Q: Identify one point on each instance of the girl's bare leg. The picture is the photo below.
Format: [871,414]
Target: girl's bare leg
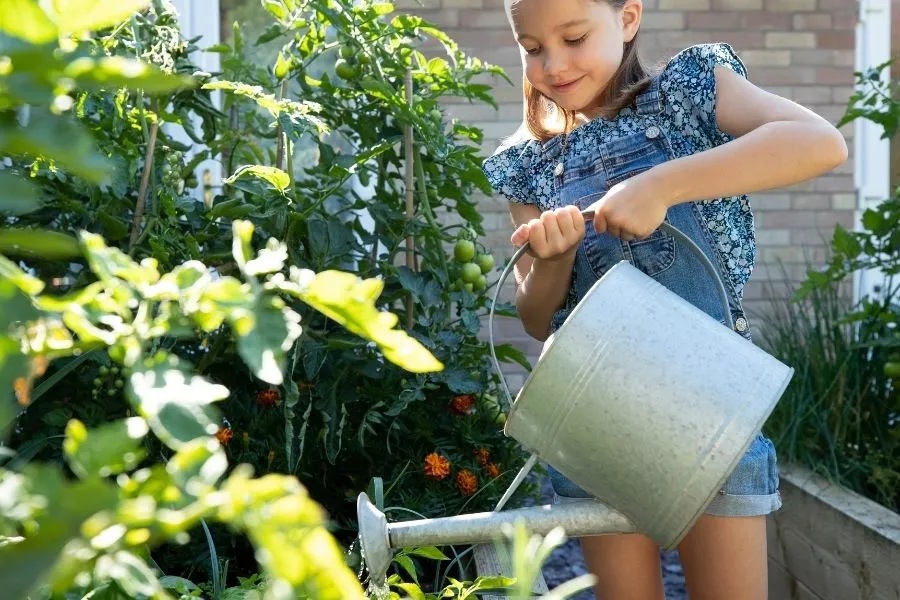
[725,557]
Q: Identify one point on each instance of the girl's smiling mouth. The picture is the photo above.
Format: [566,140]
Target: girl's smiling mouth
[567,86]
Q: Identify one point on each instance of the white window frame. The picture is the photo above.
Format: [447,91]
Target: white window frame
[872,155]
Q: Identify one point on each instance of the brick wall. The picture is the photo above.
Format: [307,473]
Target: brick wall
[800,49]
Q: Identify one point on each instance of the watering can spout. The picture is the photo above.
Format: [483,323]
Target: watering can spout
[379,538]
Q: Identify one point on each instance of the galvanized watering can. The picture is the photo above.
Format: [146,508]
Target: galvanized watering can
[640,398]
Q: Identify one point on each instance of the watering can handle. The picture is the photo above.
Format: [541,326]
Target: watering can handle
[589,215]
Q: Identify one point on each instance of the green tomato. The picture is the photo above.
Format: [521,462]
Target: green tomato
[892,370]
[464,251]
[98,382]
[480,283]
[364,59]
[469,287]
[485,262]
[470,273]
[346,52]
[103,370]
[345,70]
[436,114]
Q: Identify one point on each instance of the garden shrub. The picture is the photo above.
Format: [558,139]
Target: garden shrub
[841,414]
[101,157]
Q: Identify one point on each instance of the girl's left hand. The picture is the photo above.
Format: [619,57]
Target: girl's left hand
[631,209]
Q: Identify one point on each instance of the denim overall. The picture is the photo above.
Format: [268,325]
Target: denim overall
[752,489]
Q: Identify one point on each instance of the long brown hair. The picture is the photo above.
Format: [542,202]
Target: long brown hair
[544,118]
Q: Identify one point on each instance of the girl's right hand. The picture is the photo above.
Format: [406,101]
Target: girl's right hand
[555,235]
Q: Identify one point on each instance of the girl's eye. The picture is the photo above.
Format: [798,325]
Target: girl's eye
[576,42]
[532,51]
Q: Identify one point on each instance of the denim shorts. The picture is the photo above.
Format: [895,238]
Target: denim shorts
[751,490]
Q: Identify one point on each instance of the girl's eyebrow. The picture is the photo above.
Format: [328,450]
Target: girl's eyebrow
[572,23]
[566,25]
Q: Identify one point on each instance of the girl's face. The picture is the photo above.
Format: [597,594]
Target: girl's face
[572,48]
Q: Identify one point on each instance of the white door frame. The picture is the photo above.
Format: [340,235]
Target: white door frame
[872,156]
[201,18]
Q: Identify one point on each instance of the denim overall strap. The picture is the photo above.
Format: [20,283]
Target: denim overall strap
[688,278]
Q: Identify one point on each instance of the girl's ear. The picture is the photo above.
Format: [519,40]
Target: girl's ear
[631,14]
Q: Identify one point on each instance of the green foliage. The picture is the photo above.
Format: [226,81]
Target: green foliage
[157,264]
[129,307]
[841,414]
[521,553]
[838,416]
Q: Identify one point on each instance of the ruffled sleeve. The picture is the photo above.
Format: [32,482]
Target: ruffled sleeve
[508,171]
[689,83]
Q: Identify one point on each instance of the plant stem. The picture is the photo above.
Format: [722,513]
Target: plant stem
[145,179]
[279,133]
[410,196]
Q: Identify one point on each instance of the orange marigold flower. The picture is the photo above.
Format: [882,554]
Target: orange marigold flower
[492,470]
[268,398]
[463,405]
[224,435]
[482,456]
[466,482]
[437,466]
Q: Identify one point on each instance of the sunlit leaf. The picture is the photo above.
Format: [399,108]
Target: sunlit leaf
[134,576]
[270,259]
[38,243]
[294,545]
[73,16]
[108,262]
[25,20]
[106,450]
[304,112]
[198,466]
[121,72]
[27,564]
[264,337]
[176,405]
[9,271]
[272,175]
[350,301]
[59,139]
[17,195]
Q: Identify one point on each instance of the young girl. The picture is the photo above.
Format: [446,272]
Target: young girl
[684,145]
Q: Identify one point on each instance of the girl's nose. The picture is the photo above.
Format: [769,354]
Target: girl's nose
[554,63]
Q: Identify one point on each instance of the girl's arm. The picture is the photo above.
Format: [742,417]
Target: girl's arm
[542,284]
[778,143]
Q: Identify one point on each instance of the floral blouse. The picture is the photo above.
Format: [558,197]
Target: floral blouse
[522,173]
